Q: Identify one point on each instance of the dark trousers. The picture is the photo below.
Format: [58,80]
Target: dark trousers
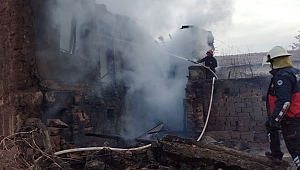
[290,129]
[209,74]
[274,140]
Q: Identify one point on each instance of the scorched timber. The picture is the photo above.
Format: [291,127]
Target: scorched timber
[173,152]
[193,154]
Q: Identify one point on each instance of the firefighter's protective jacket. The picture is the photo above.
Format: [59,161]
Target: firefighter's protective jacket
[210,62]
[284,87]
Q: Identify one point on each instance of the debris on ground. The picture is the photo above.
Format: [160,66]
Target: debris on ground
[169,153]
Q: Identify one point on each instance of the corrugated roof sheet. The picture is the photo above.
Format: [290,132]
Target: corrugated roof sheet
[250,58]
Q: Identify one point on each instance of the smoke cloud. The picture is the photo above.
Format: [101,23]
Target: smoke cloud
[156,80]
[157,84]
[164,17]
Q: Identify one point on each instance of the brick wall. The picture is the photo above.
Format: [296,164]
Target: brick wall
[83,109]
[25,94]
[237,112]
[19,97]
[73,84]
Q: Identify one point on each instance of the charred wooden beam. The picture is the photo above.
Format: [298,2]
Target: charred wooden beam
[108,136]
[199,153]
[117,137]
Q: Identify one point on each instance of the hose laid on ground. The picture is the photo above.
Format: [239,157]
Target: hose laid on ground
[100,148]
[209,108]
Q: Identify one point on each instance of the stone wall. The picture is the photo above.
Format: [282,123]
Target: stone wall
[83,110]
[73,83]
[18,95]
[237,111]
[26,92]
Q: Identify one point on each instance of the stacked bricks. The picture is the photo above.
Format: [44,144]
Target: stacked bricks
[237,113]
[19,97]
[84,110]
[194,106]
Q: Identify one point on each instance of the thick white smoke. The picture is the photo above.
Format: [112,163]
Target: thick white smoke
[156,80]
[163,17]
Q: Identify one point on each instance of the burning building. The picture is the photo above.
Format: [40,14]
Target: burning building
[75,67]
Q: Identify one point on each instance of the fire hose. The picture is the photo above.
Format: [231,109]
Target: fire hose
[212,90]
[147,146]
[100,148]
[142,147]
[190,61]
[209,108]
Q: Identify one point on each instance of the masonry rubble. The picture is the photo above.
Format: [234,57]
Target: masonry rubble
[170,152]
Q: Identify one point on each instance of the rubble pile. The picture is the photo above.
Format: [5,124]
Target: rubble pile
[170,152]
[173,152]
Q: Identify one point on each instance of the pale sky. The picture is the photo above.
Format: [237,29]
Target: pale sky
[258,25]
[238,26]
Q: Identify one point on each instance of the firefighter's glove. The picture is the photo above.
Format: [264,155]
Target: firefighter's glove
[274,123]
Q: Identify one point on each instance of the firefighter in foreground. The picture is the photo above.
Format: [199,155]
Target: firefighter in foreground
[283,105]
[210,62]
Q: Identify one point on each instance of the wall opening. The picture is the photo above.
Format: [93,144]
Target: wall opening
[110,115]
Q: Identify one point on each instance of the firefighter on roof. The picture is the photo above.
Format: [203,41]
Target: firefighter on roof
[210,62]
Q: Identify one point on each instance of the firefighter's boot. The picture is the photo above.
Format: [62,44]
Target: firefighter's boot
[277,157]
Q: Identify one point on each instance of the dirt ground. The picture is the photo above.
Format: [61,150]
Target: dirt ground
[287,157]
[173,152]
[258,149]
[169,153]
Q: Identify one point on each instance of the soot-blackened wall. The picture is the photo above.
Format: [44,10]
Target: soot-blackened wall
[31,88]
[19,96]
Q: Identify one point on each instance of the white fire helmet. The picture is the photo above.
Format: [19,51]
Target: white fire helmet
[275,52]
